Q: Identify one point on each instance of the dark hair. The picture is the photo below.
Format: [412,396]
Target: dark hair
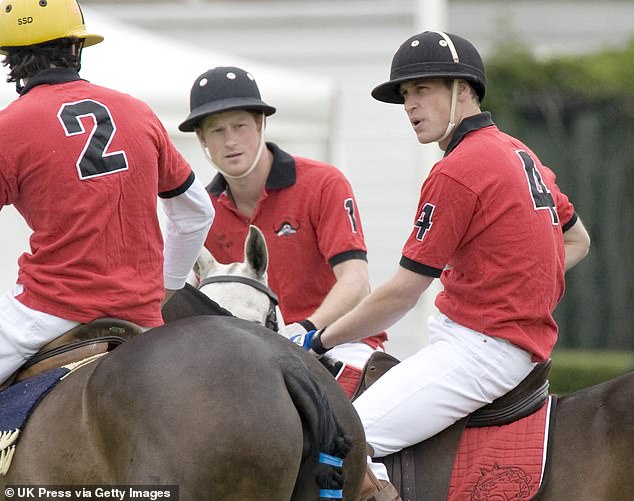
[474,90]
[25,62]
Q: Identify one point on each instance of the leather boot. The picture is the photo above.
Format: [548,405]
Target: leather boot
[374,489]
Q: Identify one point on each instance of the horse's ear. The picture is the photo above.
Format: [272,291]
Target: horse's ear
[204,263]
[255,251]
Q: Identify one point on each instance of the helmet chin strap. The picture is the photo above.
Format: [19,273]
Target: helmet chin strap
[253,164]
[452,115]
[454,87]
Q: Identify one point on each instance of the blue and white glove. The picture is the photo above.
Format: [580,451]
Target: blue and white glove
[311,341]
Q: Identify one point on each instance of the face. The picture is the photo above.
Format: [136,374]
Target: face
[428,107]
[232,139]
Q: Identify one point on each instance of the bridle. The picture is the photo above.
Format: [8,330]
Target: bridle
[271,315]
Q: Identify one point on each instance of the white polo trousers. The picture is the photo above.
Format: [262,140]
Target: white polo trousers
[459,371]
[23,331]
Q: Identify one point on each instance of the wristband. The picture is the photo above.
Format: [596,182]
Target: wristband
[315,343]
[308,325]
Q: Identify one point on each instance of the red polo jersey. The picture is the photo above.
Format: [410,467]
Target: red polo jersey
[490,224]
[309,217]
[83,165]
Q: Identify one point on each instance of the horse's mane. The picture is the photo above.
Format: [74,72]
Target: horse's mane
[189,302]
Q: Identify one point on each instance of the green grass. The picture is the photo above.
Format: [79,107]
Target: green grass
[573,370]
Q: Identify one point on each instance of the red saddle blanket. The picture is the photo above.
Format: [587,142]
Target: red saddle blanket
[348,378]
[501,462]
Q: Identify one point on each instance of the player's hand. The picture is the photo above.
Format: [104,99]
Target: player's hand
[304,339]
[311,341]
[295,329]
[301,327]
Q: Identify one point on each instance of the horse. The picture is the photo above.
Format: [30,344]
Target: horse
[218,407]
[590,432]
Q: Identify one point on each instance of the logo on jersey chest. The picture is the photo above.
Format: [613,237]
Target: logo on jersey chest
[287,227]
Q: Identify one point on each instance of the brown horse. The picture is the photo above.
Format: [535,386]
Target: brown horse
[591,436]
[221,407]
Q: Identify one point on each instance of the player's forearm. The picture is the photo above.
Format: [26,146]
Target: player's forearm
[375,313]
[379,310]
[347,293]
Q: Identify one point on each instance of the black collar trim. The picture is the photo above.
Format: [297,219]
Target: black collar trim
[52,76]
[283,173]
[469,124]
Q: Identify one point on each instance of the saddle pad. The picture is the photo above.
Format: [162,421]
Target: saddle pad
[349,378]
[501,462]
[16,404]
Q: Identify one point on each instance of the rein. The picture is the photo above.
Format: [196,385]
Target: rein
[271,315]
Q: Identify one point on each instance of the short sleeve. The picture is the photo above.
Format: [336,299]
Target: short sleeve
[565,208]
[174,171]
[444,212]
[8,183]
[338,228]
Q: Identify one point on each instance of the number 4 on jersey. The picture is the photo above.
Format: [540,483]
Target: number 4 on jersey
[542,198]
[424,221]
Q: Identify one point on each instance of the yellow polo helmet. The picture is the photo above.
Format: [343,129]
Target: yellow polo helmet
[31,22]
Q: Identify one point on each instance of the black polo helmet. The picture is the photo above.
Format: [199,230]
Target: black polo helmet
[432,54]
[224,88]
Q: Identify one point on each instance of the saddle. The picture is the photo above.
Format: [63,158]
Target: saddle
[412,463]
[83,341]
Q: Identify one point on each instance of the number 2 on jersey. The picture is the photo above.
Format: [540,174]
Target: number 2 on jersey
[94,160]
[542,198]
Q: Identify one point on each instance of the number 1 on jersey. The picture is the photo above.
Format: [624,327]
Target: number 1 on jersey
[348,204]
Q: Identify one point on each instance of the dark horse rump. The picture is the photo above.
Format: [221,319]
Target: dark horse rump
[218,406]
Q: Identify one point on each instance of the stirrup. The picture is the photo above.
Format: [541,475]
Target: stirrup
[374,489]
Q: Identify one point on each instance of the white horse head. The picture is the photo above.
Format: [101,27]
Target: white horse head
[241,287]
